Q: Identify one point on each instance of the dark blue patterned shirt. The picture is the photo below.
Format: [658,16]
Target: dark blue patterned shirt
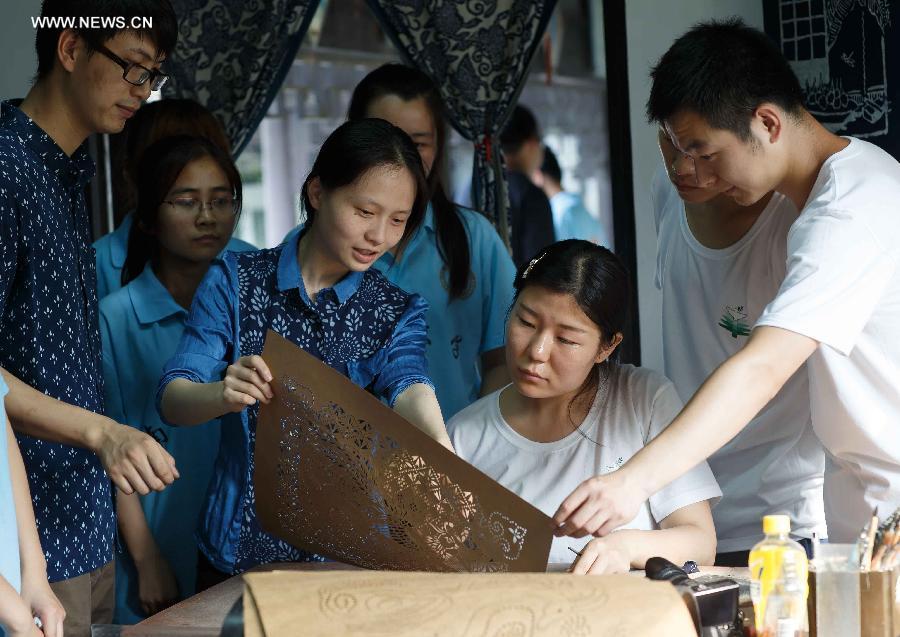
[364,327]
[49,333]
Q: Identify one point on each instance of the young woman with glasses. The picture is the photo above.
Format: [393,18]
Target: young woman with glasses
[188,201]
[163,118]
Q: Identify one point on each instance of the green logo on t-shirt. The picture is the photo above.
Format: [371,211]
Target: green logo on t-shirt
[733,321]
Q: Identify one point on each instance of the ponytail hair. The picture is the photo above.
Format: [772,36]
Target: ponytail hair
[408,84]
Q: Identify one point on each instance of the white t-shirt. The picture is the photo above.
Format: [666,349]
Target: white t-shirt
[636,406]
[711,299]
[843,289]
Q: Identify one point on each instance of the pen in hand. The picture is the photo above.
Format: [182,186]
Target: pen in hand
[577,555]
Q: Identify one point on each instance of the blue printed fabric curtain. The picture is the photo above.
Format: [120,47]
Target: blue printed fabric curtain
[233,55]
[478,53]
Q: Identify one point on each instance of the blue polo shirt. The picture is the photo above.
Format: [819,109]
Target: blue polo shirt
[112,248]
[10,569]
[459,332]
[571,220]
[141,325]
[49,333]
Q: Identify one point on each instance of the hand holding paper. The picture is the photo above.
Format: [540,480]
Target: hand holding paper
[246,381]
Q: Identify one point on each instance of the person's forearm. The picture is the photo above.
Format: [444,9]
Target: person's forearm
[36,596]
[131,458]
[156,585]
[31,555]
[677,544]
[185,402]
[723,405]
[133,526]
[14,614]
[35,414]
[419,405]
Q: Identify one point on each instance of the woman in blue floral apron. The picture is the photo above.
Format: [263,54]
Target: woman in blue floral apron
[365,194]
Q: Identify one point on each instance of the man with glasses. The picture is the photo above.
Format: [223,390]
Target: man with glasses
[88,81]
[718,265]
[134,72]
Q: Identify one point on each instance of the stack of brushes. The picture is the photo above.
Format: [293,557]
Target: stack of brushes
[881,551]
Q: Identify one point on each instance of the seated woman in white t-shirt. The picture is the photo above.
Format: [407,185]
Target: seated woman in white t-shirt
[572,413]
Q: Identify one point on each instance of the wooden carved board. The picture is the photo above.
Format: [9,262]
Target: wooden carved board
[461,605]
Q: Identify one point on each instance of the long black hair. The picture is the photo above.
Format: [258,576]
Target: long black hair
[597,280]
[158,170]
[356,147]
[409,84]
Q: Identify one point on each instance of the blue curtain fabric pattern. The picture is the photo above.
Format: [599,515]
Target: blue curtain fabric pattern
[233,55]
[478,52]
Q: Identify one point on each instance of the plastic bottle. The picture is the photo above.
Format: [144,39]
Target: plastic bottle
[778,581]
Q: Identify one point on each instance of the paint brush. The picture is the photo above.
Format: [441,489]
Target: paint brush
[889,559]
[872,528]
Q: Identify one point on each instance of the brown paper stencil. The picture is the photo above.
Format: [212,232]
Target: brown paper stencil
[370,604]
[340,474]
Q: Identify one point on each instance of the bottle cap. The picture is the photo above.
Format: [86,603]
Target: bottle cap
[776,524]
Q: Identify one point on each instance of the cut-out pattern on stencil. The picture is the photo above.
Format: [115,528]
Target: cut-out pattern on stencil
[411,506]
[357,483]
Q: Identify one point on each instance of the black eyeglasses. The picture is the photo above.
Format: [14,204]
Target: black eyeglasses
[224,206]
[134,73]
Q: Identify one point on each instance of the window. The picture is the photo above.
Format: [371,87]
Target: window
[343,44]
[802,29]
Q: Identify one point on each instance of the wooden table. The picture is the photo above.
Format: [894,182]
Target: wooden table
[204,614]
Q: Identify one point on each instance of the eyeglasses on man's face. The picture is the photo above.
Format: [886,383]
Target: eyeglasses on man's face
[134,73]
[222,206]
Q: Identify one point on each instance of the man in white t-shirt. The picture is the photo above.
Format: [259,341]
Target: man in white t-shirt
[732,107]
[718,265]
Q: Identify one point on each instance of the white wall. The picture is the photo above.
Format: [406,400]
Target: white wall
[18,61]
[651,27]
